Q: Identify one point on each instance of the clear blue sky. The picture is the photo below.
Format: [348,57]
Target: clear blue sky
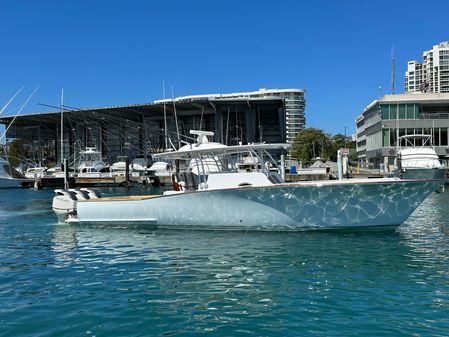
[106,53]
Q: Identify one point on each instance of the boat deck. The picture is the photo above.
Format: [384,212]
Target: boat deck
[124,198]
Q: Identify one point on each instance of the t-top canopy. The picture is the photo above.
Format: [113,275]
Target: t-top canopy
[223,150]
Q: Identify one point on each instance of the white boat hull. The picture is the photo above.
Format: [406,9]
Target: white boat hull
[424,173]
[304,206]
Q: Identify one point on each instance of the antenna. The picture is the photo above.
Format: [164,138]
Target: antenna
[393,60]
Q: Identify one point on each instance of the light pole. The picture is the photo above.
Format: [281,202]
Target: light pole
[345,136]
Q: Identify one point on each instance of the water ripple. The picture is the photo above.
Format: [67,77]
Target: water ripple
[65,280]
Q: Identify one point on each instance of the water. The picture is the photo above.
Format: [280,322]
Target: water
[71,280]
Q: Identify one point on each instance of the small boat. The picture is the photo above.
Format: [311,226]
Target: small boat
[418,159]
[119,167]
[258,199]
[58,172]
[92,165]
[10,177]
[161,171]
[141,164]
[36,172]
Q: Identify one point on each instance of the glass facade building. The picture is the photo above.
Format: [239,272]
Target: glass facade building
[393,116]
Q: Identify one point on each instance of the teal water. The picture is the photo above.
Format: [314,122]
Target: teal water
[70,280]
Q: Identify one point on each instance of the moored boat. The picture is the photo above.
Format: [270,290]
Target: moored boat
[10,177]
[141,163]
[119,167]
[92,165]
[419,159]
[36,172]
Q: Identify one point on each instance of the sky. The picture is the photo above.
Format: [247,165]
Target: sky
[107,53]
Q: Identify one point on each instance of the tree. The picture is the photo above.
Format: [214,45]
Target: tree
[311,143]
[16,151]
[340,141]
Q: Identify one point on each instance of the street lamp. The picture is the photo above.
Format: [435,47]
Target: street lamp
[345,136]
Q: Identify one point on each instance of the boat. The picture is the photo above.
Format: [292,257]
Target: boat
[119,167]
[92,165]
[10,177]
[161,171]
[255,200]
[36,172]
[418,159]
[141,164]
[318,167]
[58,172]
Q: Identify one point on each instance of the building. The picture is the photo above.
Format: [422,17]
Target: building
[293,98]
[258,116]
[432,74]
[382,121]
[413,77]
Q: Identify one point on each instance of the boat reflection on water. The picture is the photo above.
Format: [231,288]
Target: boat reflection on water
[198,280]
[225,254]
[429,223]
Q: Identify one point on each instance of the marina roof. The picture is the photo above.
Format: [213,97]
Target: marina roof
[259,94]
[136,111]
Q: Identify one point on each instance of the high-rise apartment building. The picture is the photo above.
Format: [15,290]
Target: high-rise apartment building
[432,74]
[413,76]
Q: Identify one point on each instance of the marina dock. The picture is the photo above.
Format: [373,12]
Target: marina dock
[119,181]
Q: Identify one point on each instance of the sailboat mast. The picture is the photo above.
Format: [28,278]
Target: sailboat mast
[165,117]
[62,125]
[176,117]
[12,122]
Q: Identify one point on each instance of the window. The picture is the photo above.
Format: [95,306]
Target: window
[392,137]
[410,111]
[386,138]
[384,110]
[393,111]
[443,135]
[436,137]
[402,111]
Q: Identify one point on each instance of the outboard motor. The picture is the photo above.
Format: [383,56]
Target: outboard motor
[80,195]
[92,194]
[64,205]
